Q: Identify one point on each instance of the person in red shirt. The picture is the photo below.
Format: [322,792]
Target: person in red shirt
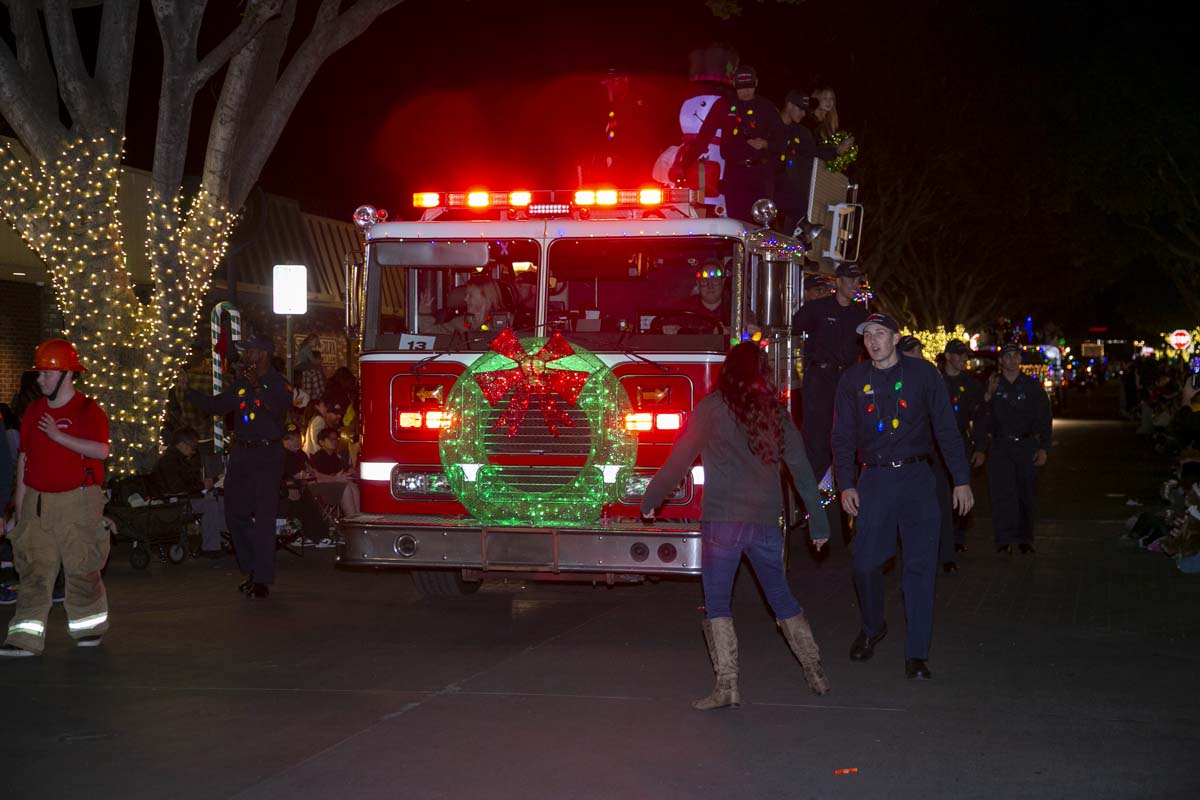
[59,506]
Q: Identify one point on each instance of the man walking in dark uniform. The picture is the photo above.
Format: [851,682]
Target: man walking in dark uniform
[259,400]
[751,141]
[966,398]
[885,410]
[1019,423]
[792,183]
[831,345]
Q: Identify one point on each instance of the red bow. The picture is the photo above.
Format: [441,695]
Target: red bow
[531,378]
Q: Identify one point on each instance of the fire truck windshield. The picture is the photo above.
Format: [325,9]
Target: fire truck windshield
[449,294]
[643,285]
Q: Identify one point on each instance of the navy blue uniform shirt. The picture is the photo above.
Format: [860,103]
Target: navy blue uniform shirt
[739,122]
[867,400]
[831,330]
[259,410]
[966,398]
[1020,409]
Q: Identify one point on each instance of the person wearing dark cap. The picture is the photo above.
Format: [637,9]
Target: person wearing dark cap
[830,347]
[259,399]
[966,398]
[1019,424]
[796,161]
[886,409]
[910,346]
[751,141]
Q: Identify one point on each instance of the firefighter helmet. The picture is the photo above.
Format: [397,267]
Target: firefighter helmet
[57,354]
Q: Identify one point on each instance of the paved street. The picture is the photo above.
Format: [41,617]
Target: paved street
[1066,674]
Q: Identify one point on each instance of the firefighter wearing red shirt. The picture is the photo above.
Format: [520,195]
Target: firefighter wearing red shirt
[59,506]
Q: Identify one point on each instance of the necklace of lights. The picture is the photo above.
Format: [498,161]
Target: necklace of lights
[873,407]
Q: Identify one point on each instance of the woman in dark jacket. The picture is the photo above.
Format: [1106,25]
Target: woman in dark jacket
[744,434]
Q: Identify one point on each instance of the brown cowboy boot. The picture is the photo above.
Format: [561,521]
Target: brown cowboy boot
[799,637]
[722,648]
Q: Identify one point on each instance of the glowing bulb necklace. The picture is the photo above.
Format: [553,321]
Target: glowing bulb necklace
[874,406]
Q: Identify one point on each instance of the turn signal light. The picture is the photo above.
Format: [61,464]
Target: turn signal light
[437,419]
[647,421]
[434,419]
[409,419]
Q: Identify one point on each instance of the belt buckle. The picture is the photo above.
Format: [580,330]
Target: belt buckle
[896,464]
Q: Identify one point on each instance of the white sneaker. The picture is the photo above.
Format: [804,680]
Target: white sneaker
[89,641]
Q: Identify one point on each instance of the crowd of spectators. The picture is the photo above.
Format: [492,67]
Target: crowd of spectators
[1163,397]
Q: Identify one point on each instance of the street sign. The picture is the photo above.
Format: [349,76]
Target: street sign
[1180,339]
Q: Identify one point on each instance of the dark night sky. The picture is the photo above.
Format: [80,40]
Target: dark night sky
[451,93]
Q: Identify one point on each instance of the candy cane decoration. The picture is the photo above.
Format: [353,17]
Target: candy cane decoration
[218,361]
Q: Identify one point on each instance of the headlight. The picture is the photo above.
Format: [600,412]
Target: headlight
[420,484]
[633,485]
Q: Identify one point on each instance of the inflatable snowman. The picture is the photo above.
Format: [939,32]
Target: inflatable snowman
[691,117]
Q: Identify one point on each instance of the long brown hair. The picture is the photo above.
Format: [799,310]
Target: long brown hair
[753,400]
[829,124]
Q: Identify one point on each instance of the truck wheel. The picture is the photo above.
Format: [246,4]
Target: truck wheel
[433,583]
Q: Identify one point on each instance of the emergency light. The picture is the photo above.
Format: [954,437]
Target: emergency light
[554,202]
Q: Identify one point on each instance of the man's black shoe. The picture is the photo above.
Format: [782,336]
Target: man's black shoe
[915,669]
[245,586]
[960,548]
[1026,549]
[864,646]
[258,591]
[1005,548]
[950,566]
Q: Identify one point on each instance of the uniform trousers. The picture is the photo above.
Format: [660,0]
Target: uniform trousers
[743,186]
[59,528]
[722,545]
[954,525]
[1012,479]
[903,497]
[816,424]
[251,504]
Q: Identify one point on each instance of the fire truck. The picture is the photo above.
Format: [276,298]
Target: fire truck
[521,446]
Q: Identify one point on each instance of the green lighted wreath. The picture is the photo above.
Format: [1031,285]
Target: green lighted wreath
[513,412]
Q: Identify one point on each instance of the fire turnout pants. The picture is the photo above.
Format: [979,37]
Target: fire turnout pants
[59,528]
[251,504]
[906,498]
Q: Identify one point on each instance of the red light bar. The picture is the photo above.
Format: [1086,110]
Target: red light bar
[520,199]
[650,197]
[478,199]
[585,197]
[426,200]
[606,197]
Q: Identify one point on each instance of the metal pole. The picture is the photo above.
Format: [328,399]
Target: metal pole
[291,347]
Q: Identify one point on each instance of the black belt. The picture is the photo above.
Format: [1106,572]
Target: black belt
[825,365]
[1020,438]
[899,463]
[750,162]
[254,442]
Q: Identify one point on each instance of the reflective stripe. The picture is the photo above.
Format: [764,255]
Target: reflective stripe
[470,471]
[610,472]
[698,476]
[32,627]
[87,623]
[376,470]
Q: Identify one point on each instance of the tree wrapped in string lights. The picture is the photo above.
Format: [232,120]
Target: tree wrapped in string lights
[61,178]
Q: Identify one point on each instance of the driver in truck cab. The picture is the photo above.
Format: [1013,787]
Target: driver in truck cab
[482,301]
[708,301]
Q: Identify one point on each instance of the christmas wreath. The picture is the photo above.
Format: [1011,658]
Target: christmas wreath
[840,163]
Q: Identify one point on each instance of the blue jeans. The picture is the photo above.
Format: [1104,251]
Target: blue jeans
[722,546]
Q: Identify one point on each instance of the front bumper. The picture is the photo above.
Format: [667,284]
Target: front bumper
[430,542]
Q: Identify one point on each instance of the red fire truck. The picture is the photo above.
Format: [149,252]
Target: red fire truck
[521,445]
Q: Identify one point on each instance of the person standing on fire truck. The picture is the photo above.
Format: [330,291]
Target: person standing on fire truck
[751,141]
[744,434]
[795,162]
[886,408]
[59,506]
[259,400]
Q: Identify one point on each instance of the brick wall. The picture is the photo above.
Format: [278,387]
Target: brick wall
[26,318]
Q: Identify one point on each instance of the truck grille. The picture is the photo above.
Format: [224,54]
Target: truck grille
[534,441]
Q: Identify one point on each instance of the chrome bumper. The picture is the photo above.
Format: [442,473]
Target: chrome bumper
[426,542]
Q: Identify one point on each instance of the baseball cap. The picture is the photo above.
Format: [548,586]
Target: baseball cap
[956,346]
[847,270]
[1011,347]
[798,99]
[878,319]
[256,342]
[907,344]
[745,78]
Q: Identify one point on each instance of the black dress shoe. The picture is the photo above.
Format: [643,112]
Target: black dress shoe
[960,548]
[950,566]
[864,646]
[245,586]
[915,669]
[1025,549]
[259,591]
[1005,548]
